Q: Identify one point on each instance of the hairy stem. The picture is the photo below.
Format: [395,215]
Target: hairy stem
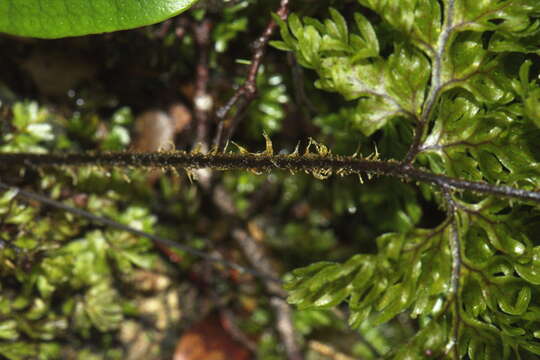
[318,165]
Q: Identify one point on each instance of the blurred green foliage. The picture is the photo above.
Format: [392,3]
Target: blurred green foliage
[57,274]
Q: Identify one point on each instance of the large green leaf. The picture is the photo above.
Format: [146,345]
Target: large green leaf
[61,18]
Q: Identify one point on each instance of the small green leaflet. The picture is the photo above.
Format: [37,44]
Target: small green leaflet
[62,18]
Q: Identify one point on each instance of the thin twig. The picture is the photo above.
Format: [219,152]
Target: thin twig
[328,351]
[202,100]
[230,324]
[247,92]
[222,200]
[256,256]
[319,165]
[28,195]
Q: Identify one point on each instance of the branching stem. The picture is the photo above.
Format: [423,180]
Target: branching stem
[436,82]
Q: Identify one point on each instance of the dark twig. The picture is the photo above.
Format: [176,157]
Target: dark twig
[311,163]
[256,256]
[282,310]
[222,199]
[230,324]
[28,195]
[417,142]
[241,99]
[202,100]
[247,92]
